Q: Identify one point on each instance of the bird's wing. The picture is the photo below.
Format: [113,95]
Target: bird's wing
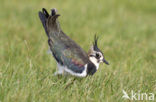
[68,53]
[43,15]
[64,50]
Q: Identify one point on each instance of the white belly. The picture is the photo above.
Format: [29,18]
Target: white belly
[64,69]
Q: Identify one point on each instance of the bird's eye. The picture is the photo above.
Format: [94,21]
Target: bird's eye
[98,55]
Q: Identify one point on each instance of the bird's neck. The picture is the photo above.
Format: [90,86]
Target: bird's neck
[95,62]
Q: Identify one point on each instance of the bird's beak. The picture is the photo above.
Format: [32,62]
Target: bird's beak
[104,61]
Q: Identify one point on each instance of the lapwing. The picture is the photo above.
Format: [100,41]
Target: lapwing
[70,57]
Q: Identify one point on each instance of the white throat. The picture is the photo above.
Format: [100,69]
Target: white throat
[94,61]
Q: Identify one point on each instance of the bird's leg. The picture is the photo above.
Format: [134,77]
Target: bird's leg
[60,70]
[70,83]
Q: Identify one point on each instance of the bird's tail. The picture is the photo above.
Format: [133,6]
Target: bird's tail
[49,22]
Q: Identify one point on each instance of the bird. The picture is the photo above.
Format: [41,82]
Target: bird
[70,57]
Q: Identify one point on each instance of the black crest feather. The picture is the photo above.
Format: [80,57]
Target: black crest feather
[95,45]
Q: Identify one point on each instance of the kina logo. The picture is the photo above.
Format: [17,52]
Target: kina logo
[138,95]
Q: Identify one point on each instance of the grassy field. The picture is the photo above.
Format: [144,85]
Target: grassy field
[127,30]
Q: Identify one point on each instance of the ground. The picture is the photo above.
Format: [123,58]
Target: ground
[127,31]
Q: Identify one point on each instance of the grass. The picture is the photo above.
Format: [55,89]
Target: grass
[127,37]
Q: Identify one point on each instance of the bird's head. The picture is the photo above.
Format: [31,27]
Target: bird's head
[95,54]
